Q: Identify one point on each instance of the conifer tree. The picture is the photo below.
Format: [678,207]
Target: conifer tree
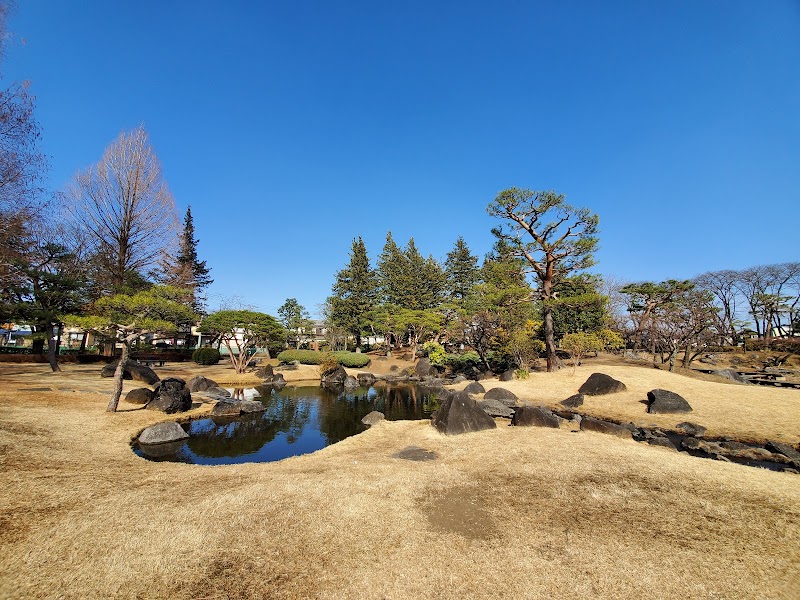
[186,270]
[461,269]
[354,293]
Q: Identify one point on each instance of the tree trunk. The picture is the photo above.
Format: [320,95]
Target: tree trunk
[118,376]
[52,348]
[82,348]
[549,340]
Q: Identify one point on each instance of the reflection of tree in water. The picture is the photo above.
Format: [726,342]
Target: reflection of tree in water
[225,436]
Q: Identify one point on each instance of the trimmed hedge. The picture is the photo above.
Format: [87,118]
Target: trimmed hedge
[206,356]
[311,357]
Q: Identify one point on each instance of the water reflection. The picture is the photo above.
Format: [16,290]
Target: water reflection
[297,420]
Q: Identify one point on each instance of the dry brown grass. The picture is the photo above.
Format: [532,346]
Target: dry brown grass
[509,513]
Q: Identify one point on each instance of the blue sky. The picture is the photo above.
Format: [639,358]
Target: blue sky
[293,127]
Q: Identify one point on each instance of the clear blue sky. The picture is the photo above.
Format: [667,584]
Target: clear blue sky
[292,127]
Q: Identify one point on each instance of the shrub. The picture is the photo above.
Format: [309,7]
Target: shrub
[206,356]
[328,362]
[521,373]
[311,357]
[611,340]
[580,344]
[500,361]
[436,354]
[463,363]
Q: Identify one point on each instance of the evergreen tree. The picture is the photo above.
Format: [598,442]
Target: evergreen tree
[354,293]
[392,269]
[295,319]
[461,269]
[186,270]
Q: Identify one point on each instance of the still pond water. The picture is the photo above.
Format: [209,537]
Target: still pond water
[298,420]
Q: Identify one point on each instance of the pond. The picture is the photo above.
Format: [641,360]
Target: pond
[298,419]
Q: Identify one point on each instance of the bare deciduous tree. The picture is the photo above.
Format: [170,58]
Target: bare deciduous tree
[125,203]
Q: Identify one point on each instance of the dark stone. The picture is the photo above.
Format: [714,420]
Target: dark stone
[278,382]
[690,428]
[507,397]
[171,396]
[163,433]
[200,384]
[394,368]
[415,453]
[731,375]
[474,388]
[461,414]
[335,376]
[372,418]
[599,384]
[424,368]
[251,406]
[485,375]
[495,408]
[535,416]
[218,391]
[661,441]
[591,424]
[226,408]
[459,378]
[507,375]
[573,401]
[139,396]
[784,449]
[350,383]
[168,449]
[366,379]
[266,372]
[666,402]
[133,370]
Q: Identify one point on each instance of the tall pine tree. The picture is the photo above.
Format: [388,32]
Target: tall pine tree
[461,269]
[354,293]
[186,270]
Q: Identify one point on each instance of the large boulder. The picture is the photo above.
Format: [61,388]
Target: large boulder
[461,414]
[573,401]
[591,424]
[218,392]
[251,406]
[507,375]
[475,388]
[505,396]
[666,402]
[731,375]
[690,428]
[133,370]
[266,372]
[171,396]
[495,408]
[335,376]
[599,384]
[139,396]
[163,433]
[424,368]
[226,408]
[535,416]
[200,384]
[350,383]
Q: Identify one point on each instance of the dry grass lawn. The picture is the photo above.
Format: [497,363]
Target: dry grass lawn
[510,513]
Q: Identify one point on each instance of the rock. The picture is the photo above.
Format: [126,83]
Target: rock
[335,376]
[424,368]
[373,418]
[591,424]
[133,370]
[507,375]
[535,416]
[459,378]
[415,453]
[731,375]
[690,428]
[573,401]
[505,396]
[784,449]
[139,396]
[201,384]
[251,406]
[495,408]
[394,368]
[171,396]
[226,408]
[661,441]
[461,414]
[666,402]
[366,379]
[278,382]
[350,383]
[266,372]
[599,384]
[474,388]
[163,433]
[485,375]
[160,451]
[709,359]
[219,392]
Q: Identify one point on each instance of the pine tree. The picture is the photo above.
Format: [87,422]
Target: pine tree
[392,270]
[186,270]
[354,293]
[461,269]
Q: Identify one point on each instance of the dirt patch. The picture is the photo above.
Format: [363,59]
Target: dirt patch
[459,510]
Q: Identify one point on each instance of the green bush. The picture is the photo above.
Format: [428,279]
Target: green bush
[310,357]
[521,373]
[436,354]
[206,356]
[462,363]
